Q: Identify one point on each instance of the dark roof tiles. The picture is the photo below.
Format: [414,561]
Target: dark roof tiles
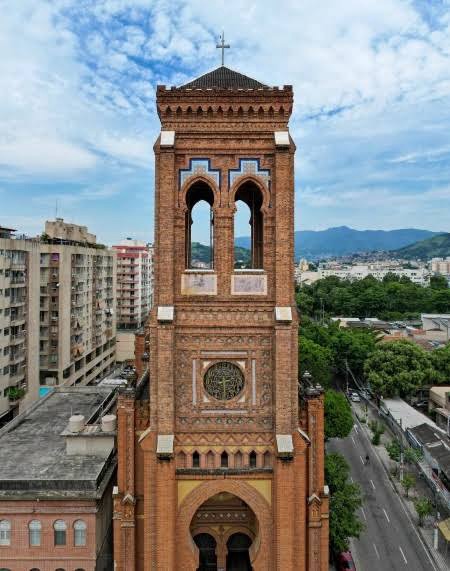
[223,78]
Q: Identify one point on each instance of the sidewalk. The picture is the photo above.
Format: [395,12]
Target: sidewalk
[420,489]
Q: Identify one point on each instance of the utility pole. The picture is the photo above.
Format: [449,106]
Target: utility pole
[401,452]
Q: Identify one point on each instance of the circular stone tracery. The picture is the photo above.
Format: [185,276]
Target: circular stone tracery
[223,380]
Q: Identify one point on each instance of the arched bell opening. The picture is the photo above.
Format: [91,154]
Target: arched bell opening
[199,227]
[249,219]
[224,528]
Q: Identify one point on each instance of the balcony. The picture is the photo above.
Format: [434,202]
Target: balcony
[18,318]
[17,357]
[17,338]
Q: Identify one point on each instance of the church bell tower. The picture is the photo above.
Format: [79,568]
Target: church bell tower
[221,461]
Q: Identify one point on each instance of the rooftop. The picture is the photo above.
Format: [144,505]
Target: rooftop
[33,455]
[224,78]
[405,415]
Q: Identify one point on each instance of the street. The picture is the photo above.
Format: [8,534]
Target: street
[389,540]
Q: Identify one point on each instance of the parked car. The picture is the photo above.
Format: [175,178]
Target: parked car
[354,397]
[345,561]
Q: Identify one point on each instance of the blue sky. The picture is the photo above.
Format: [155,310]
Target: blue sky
[371,118]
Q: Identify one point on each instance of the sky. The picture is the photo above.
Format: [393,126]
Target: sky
[371,116]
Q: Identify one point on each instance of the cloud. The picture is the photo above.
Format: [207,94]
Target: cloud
[371,81]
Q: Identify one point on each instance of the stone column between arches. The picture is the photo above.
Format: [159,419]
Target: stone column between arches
[261,551]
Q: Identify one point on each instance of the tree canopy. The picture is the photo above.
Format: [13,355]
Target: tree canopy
[399,368]
[338,415]
[393,298]
[345,499]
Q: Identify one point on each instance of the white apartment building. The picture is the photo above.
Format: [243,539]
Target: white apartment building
[134,283]
[440,266]
[57,312]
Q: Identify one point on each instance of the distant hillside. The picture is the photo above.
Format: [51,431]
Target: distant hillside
[434,247]
[342,240]
[201,255]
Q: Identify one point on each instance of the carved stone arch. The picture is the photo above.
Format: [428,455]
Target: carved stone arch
[193,180]
[271,111]
[261,111]
[257,181]
[210,459]
[281,111]
[220,111]
[168,111]
[230,111]
[210,111]
[199,111]
[240,112]
[179,111]
[260,554]
[189,111]
[251,111]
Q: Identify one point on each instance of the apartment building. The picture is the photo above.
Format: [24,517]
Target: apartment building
[57,324]
[441,266]
[134,283]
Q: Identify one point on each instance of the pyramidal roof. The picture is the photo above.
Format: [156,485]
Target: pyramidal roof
[224,78]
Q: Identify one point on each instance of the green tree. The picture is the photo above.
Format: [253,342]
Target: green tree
[441,362]
[399,368]
[394,450]
[316,359]
[408,482]
[338,415]
[438,282]
[345,499]
[423,508]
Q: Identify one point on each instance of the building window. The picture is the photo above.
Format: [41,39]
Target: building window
[224,460]
[35,569]
[79,533]
[196,460]
[60,529]
[5,532]
[252,459]
[34,532]
[199,215]
[248,200]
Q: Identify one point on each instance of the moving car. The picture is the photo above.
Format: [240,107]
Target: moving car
[345,561]
[354,397]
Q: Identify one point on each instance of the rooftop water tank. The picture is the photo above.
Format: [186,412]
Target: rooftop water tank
[109,423]
[76,423]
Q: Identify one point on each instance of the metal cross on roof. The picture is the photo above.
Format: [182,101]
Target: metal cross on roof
[223,46]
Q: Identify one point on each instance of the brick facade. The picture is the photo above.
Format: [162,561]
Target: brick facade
[228,455]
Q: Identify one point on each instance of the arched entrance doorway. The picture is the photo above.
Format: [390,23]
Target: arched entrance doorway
[224,528]
[207,552]
[238,558]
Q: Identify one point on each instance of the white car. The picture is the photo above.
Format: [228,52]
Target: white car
[354,397]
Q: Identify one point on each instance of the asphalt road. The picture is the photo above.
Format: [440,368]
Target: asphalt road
[390,540]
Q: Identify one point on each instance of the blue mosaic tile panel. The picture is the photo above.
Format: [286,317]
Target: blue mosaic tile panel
[199,167]
[249,166]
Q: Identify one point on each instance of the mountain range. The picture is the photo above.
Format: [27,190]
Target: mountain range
[339,241]
[435,247]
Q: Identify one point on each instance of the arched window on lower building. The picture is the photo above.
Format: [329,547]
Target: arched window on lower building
[34,533]
[238,459]
[252,459]
[267,460]
[210,460]
[5,532]
[60,532]
[79,533]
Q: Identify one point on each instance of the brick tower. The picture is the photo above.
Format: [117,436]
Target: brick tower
[221,462]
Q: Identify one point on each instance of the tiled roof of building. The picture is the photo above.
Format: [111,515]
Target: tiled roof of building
[224,78]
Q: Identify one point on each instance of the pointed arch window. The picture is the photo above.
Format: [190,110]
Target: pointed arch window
[199,227]
[196,460]
[224,460]
[248,219]
[252,459]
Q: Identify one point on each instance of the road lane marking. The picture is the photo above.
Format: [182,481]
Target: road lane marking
[376,550]
[364,513]
[408,517]
[362,461]
[387,517]
[353,440]
[373,485]
[403,555]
